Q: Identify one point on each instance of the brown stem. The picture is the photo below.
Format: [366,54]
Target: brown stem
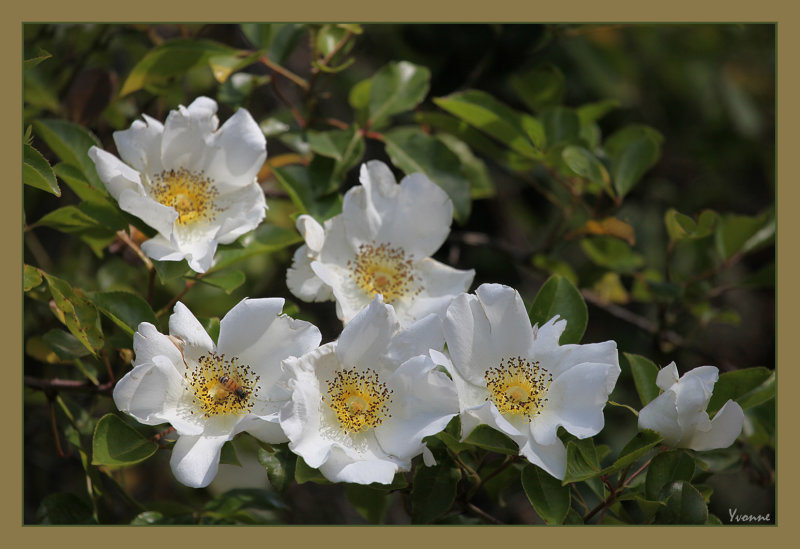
[54,427]
[483,514]
[166,308]
[336,122]
[122,235]
[108,366]
[55,384]
[297,116]
[284,72]
[616,491]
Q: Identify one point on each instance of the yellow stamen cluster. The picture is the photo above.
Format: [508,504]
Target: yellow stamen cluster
[381,269]
[518,387]
[190,194]
[221,386]
[359,400]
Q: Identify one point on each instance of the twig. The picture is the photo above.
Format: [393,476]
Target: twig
[56,384]
[284,72]
[54,426]
[483,514]
[108,366]
[122,235]
[174,300]
[615,492]
[297,116]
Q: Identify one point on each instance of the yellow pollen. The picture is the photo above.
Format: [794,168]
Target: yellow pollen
[222,387]
[190,194]
[518,387]
[359,400]
[381,269]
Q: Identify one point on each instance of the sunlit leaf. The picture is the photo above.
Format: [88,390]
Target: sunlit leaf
[558,296]
[611,253]
[280,465]
[80,315]
[117,443]
[71,143]
[742,233]
[582,461]
[585,164]
[36,171]
[397,87]
[125,309]
[32,277]
[228,280]
[480,184]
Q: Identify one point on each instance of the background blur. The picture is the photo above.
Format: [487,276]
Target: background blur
[708,89]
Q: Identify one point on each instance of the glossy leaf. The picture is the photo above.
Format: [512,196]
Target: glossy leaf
[742,233]
[79,314]
[480,184]
[227,280]
[224,65]
[433,492]
[484,112]
[68,219]
[413,151]
[304,473]
[265,239]
[740,384]
[346,147]
[170,270]
[680,226]
[539,87]
[397,87]
[233,501]
[491,439]
[638,446]
[227,455]
[125,309]
[667,467]
[585,164]
[64,344]
[633,150]
[561,125]
[171,59]
[558,296]
[280,465]
[549,498]
[644,376]
[117,443]
[582,462]
[71,143]
[36,171]
[370,503]
[685,505]
[611,253]
[306,192]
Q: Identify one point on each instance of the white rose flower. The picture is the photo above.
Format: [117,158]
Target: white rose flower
[519,380]
[679,413]
[361,405]
[193,183]
[207,392]
[380,244]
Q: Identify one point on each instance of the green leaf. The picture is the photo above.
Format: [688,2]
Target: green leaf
[148,517]
[644,376]
[484,112]
[667,467]
[739,384]
[549,498]
[117,443]
[125,309]
[413,151]
[742,233]
[586,165]
[433,492]
[69,219]
[558,296]
[224,65]
[170,270]
[592,112]
[540,87]
[493,440]
[171,59]
[32,277]
[280,465]
[685,505]
[561,125]
[211,327]
[228,455]
[480,184]
[76,180]
[265,239]
[233,501]
[397,87]
[304,473]
[71,143]
[680,226]
[80,315]
[64,344]
[582,462]
[764,392]
[304,188]
[359,100]
[346,147]
[633,150]
[36,171]
[228,280]
[611,253]
[639,445]
[41,55]
[63,508]
[370,503]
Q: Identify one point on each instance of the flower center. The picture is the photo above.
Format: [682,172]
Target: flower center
[380,269]
[359,400]
[190,194]
[221,386]
[518,387]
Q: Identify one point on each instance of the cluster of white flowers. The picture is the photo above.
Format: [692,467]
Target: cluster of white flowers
[415,351]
